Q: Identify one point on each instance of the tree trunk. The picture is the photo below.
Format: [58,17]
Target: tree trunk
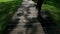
[39,5]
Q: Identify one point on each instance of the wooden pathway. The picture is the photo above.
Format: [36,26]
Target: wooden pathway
[26,13]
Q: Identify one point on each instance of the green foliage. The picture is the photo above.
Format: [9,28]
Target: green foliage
[5,0]
[7,9]
[54,8]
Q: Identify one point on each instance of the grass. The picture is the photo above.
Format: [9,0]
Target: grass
[5,0]
[7,9]
[54,8]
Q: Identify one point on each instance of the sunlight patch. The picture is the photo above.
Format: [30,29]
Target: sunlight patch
[5,0]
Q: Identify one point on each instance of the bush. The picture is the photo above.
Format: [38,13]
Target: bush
[7,9]
[54,9]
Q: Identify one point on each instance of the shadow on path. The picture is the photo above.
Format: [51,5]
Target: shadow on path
[10,26]
[48,24]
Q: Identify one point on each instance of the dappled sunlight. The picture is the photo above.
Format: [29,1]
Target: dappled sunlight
[24,15]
